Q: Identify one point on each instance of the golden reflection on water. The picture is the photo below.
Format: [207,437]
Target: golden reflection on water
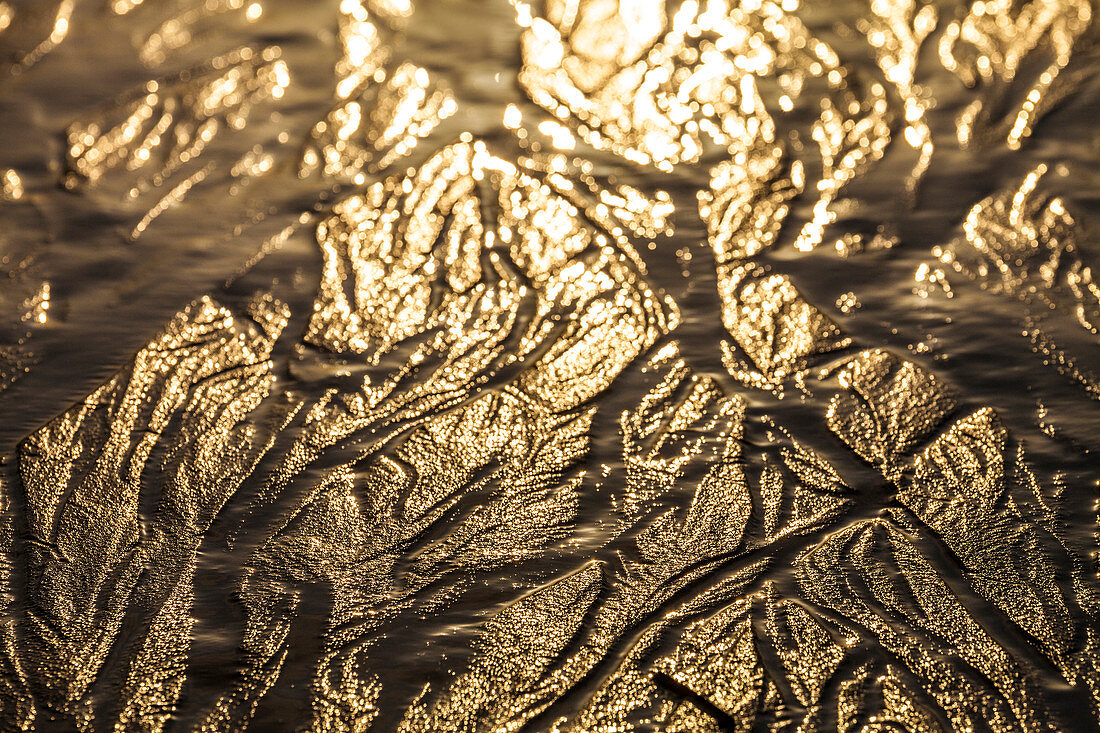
[654,83]
[988,47]
[490,411]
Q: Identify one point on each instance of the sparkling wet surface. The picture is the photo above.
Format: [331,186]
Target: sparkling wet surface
[527,386]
